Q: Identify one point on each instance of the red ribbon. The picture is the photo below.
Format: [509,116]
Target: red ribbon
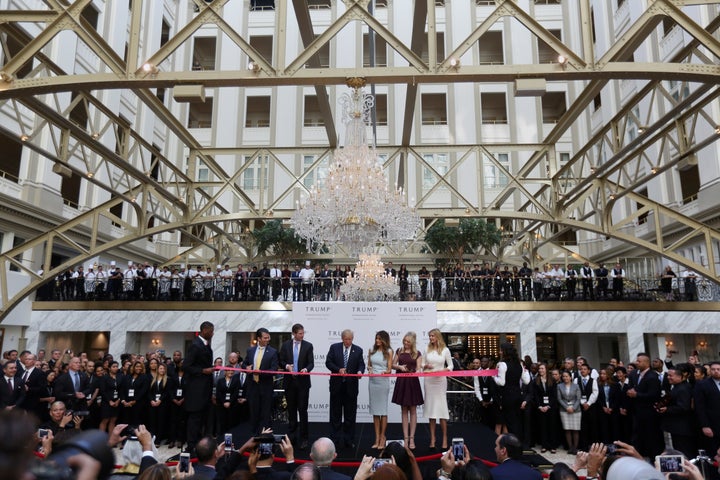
[444,373]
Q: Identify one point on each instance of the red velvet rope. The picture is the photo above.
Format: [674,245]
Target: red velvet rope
[445,373]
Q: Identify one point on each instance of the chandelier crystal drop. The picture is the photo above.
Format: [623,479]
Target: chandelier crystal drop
[355,209]
[370,282]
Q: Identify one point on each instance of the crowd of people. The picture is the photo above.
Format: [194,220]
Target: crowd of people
[322,283]
[651,404]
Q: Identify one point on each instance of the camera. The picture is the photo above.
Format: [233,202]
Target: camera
[458,449]
[79,413]
[184,462]
[90,442]
[265,448]
[269,438]
[42,432]
[400,441]
[379,462]
[130,432]
[611,449]
[669,463]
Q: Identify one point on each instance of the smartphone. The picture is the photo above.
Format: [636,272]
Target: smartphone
[610,449]
[42,432]
[228,442]
[400,441]
[458,449]
[669,463]
[277,438]
[81,413]
[185,462]
[379,462]
[265,448]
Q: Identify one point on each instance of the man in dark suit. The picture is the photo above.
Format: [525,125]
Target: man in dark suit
[198,377]
[33,380]
[208,453]
[259,386]
[645,393]
[73,387]
[508,449]
[344,358]
[296,355]
[676,415]
[322,454]
[12,391]
[707,407]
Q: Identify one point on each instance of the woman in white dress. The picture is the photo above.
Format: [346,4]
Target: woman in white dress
[437,359]
[379,361]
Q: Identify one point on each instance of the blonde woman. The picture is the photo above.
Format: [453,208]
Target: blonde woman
[408,393]
[158,412]
[437,359]
[379,361]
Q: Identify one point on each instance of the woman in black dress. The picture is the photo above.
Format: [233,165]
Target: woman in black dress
[110,394]
[159,410]
[545,401]
[510,373]
[408,393]
[666,281]
[134,394]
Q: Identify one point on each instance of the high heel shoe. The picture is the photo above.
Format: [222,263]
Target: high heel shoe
[411,443]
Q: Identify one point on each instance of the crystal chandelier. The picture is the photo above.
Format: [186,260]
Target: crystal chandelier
[355,209]
[370,282]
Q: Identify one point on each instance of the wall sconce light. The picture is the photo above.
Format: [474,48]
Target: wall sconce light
[669,343]
[454,63]
[702,344]
[253,66]
[155,341]
[562,60]
[150,68]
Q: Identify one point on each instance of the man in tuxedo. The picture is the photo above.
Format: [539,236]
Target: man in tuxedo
[296,355]
[676,415]
[645,393]
[33,380]
[508,449]
[198,377]
[73,387]
[259,386]
[12,391]
[344,358]
[707,407]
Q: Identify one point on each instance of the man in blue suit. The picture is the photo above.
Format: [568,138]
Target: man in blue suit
[344,358]
[259,386]
[508,449]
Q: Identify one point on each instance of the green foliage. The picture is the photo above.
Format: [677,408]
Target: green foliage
[470,236]
[278,241]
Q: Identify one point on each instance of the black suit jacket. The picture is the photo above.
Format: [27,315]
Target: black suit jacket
[14,398]
[269,362]
[65,391]
[648,393]
[306,359]
[707,399]
[679,419]
[270,473]
[327,473]
[198,386]
[334,362]
[614,397]
[513,470]
[34,389]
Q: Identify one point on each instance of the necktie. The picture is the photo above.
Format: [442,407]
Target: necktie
[584,382]
[345,357]
[76,381]
[25,376]
[258,360]
[296,352]
[10,384]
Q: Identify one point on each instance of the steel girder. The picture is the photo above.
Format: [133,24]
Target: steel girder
[583,195]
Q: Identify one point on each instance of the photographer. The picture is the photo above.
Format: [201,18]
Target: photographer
[61,419]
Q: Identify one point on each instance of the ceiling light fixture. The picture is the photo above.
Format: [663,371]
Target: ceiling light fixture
[253,66]
[454,62]
[150,68]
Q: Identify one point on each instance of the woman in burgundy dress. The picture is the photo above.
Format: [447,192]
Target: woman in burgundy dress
[407,391]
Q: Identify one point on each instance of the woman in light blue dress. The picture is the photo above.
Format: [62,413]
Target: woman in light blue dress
[379,361]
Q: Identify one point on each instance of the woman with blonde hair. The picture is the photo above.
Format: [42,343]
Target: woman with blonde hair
[437,359]
[408,393]
[379,361]
[159,403]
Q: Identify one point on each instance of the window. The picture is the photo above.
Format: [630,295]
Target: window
[564,158]
[17,241]
[690,182]
[381,109]
[493,107]
[493,175]
[256,173]
[678,90]
[257,112]
[380,51]
[312,116]
[318,4]
[70,190]
[440,41]
[322,56]
[10,158]
[592,24]
[78,114]
[642,218]
[434,109]
[164,32]
[200,115]
[597,102]
[154,164]
[91,15]
[545,52]
[553,106]
[116,210]
[668,24]
[204,53]
[259,5]
[263,44]
[440,164]
[491,48]
[316,177]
